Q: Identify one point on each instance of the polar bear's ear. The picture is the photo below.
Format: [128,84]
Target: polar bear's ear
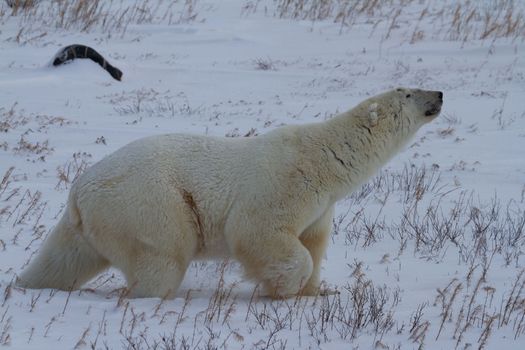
[373,117]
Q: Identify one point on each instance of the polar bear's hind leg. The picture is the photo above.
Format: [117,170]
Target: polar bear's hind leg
[155,275]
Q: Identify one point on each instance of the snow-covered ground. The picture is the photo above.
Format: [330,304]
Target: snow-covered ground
[429,254]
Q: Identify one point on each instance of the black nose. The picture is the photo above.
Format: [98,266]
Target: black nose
[440,94]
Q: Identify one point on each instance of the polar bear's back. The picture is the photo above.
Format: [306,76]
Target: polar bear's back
[176,156]
[158,171]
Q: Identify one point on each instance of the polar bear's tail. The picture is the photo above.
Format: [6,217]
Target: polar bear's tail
[65,261]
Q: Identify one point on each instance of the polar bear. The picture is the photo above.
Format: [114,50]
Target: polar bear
[156,204]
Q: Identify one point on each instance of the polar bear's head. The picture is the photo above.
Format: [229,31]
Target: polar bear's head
[402,109]
[421,104]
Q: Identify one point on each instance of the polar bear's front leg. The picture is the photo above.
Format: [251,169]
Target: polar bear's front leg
[315,239]
[278,260]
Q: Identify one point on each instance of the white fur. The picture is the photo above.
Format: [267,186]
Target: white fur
[160,202]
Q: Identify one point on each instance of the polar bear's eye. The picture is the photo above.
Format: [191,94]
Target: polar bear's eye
[408,95]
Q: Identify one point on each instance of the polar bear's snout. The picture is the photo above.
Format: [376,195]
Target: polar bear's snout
[434,106]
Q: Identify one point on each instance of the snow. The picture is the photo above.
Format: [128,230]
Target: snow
[236,70]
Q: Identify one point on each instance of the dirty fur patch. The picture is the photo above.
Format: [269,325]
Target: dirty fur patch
[190,202]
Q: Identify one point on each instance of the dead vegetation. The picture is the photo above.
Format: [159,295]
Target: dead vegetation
[112,17]
[150,103]
[265,64]
[33,143]
[433,217]
[436,222]
[72,169]
[450,20]
[41,149]
[21,209]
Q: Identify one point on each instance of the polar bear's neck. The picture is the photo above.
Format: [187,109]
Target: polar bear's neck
[350,151]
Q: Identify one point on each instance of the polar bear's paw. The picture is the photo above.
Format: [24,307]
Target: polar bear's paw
[322,290]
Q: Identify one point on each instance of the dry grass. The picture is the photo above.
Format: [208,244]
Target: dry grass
[451,20]
[12,118]
[41,149]
[111,17]
[15,120]
[264,64]
[72,169]
[478,232]
[150,103]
